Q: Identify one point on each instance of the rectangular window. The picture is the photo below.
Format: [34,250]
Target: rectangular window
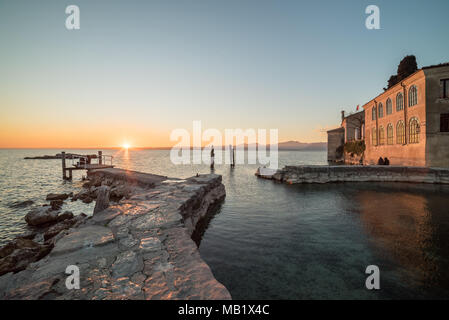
[444,122]
[444,87]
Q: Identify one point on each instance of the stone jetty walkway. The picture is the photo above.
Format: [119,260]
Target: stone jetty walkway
[138,248]
[352,173]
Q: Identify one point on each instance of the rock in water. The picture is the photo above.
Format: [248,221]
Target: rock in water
[19,253]
[102,199]
[21,204]
[64,216]
[56,204]
[57,196]
[40,216]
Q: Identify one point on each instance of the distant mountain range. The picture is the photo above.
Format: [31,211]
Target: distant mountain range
[290,145]
[302,146]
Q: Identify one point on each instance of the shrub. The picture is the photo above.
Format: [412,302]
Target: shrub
[355,147]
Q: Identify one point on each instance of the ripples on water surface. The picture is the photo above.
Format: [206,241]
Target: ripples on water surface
[276,241]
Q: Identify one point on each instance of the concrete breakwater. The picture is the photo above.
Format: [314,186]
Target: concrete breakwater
[341,173]
[137,248]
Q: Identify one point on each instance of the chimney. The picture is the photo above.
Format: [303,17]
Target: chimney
[342,115]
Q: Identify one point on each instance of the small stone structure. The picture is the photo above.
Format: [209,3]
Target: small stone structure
[328,174]
[335,142]
[138,248]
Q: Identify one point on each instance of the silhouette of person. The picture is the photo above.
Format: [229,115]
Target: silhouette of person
[212,157]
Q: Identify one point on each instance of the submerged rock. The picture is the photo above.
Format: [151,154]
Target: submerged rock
[30,235]
[21,204]
[57,196]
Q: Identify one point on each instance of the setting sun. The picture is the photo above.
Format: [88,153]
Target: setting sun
[126,146]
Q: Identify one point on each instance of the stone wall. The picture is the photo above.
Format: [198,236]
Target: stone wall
[138,248]
[335,139]
[437,147]
[410,154]
[328,174]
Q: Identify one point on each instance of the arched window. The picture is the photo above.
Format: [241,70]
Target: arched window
[400,133]
[374,137]
[390,134]
[381,136]
[373,113]
[381,110]
[389,106]
[414,131]
[412,96]
[399,102]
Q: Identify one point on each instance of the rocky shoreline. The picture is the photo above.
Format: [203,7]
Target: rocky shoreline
[137,244]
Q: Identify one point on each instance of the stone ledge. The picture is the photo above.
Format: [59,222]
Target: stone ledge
[345,173]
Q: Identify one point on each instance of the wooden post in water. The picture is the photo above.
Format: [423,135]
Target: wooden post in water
[100,157]
[64,176]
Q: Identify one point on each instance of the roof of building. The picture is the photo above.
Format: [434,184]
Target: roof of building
[336,129]
[350,115]
[445,64]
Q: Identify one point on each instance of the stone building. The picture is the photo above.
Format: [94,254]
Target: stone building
[352,128]
[335,141]
[409,122]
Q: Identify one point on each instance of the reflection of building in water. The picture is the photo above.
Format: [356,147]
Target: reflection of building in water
[399,224]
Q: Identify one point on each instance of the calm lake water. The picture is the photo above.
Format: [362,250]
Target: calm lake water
[276,241]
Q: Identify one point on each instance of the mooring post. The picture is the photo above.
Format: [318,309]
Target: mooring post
[100,157]
[64,176]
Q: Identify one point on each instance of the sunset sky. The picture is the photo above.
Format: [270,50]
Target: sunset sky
[136,70]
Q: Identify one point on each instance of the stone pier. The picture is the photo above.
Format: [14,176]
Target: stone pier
[137,248]
[341,173]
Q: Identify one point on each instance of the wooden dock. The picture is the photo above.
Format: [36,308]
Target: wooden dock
[85,162]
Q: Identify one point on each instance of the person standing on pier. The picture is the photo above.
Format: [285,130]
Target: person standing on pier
[212,158]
